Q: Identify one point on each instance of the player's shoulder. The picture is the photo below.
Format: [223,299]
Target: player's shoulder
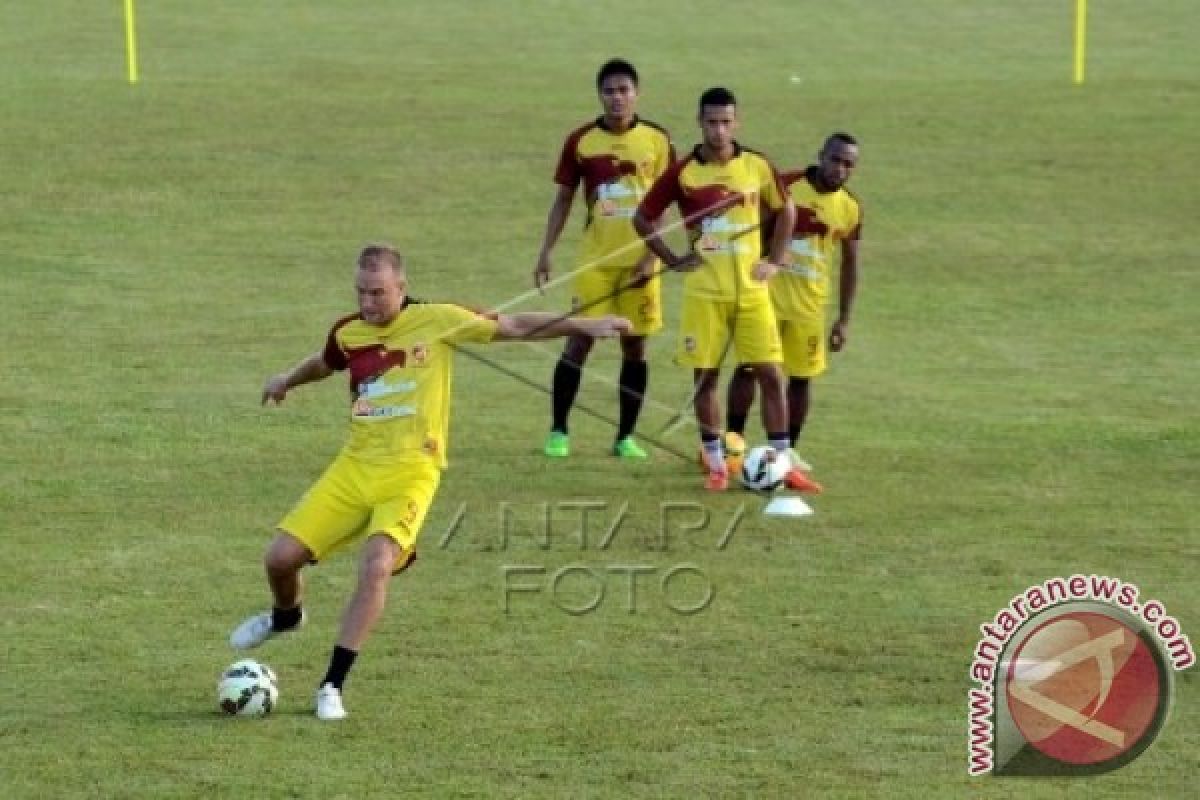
[792,177]
[578,133]
[754,155]
[693,156]
[342,322]
[655,127]
[450,308]
[851,201]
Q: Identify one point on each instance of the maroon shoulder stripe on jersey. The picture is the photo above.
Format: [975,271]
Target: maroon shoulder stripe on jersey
[333,355]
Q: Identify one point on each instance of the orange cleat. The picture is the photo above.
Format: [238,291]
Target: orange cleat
[717,481]
[797,481]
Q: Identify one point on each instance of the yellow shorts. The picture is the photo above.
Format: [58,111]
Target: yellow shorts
[600,292]
[803,346]
[353,499]
[708,329]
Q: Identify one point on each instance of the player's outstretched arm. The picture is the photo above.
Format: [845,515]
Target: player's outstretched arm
[544,325]
[309,370]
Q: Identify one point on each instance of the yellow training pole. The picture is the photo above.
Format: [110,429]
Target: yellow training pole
[130,43]
[1080,38]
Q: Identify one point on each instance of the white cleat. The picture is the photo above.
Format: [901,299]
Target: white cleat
[329,703]
[257,629]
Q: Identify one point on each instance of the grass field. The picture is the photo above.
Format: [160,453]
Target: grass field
[1018,399]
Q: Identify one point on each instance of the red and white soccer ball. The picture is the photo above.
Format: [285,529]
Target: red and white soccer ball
[764,469]
[248,689]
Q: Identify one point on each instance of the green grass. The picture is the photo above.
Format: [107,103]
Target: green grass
[1017,401]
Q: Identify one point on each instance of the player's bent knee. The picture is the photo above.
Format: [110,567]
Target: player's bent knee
[377,569]
[380,558]
[286,554]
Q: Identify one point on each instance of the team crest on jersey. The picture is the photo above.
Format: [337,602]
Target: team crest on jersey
[420,354]
[689,344]
[430,446]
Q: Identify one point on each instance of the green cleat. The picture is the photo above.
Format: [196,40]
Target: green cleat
[630,449]
[557,445]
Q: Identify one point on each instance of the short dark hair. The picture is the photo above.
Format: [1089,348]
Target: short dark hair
[840,136]
[376,256]
[717,96]
[616,66]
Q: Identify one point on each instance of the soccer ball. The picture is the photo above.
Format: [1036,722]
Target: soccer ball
[764,469]
[247,689]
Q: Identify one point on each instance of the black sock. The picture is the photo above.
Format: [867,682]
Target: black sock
[632,391]
[284,619]
[565,387]
[339,665]
[735,423]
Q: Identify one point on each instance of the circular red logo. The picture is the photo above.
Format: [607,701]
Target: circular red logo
[1085,688]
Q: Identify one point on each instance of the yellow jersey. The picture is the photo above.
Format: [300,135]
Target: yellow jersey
[616,170]
[823,221]
[400,376]
[722,207]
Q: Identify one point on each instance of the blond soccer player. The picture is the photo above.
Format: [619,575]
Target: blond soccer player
[379,487]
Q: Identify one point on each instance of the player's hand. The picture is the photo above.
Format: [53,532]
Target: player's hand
[541,273]
[687,262]
[837,335]
[642,273]
[608,327]
[276,388]
[764,270]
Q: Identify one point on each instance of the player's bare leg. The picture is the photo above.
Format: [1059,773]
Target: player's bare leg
[707,405]
[774,401]
[799,393]
[775,420]
[631,393]
[740,398]
[567,374]
[286,556]
[284,559]
[379,557]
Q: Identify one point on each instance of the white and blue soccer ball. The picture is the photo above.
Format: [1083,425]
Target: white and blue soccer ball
[248,688]
[764,469]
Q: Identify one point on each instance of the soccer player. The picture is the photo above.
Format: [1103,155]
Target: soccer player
[380,486]
[828,225]
[721,189]
[616,157]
